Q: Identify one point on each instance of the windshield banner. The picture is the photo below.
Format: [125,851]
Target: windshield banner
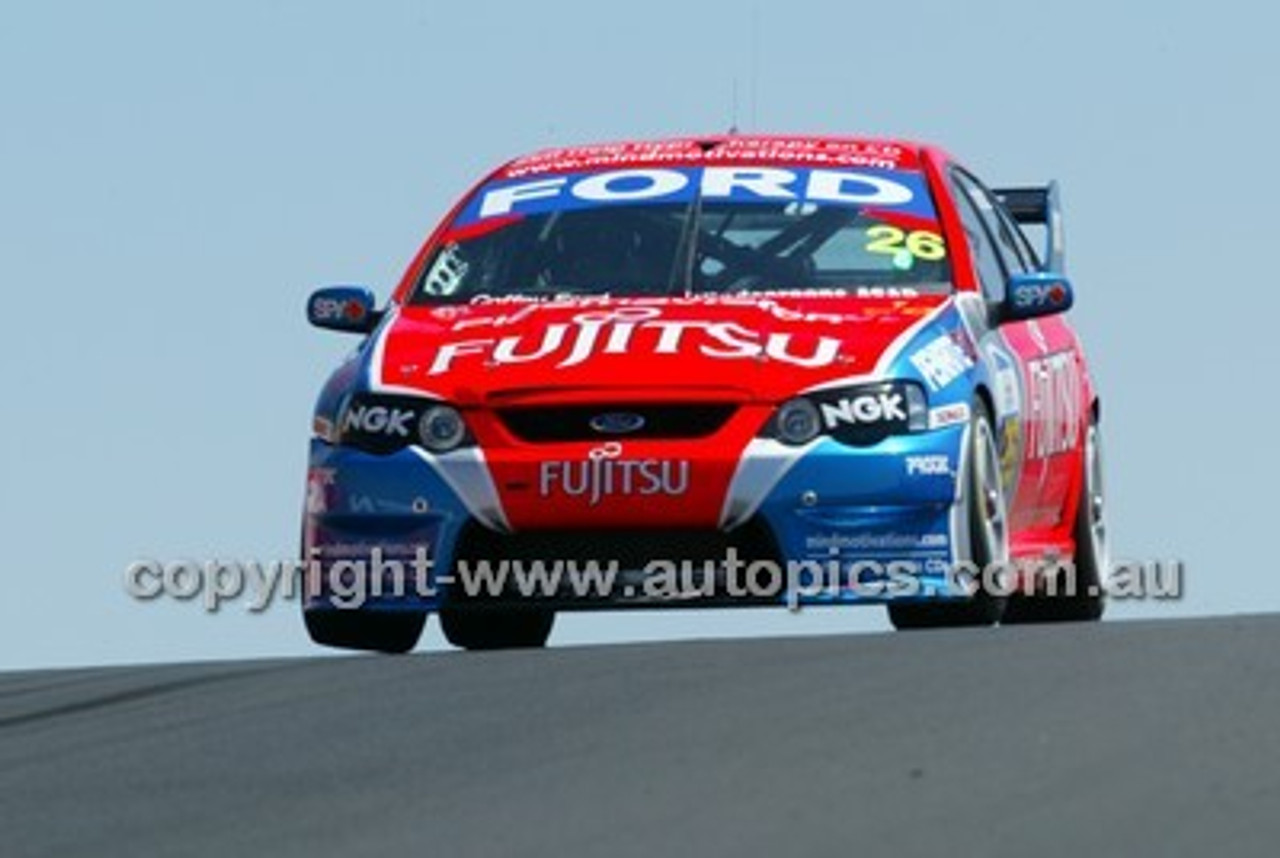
[899,190]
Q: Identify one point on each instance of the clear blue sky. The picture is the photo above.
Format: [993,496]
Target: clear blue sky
[174,180]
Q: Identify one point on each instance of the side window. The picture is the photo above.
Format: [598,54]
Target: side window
[1029,257]
[1002,233]
[990,273]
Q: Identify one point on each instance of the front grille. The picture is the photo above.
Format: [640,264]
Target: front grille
[545,425]
[630,551]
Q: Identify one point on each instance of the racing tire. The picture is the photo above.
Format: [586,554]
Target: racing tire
[392,633]
[988,538]
[494,628]
[1084,599]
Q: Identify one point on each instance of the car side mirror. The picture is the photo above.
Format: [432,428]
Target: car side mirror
[1031,296]
[343,308]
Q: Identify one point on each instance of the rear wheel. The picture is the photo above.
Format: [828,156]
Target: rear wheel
[388,632]
[1082,598]
[988,538]
[496,628]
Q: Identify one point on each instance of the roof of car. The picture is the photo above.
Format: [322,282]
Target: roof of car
[724,149]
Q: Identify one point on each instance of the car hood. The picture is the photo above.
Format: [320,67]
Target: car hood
[753,348]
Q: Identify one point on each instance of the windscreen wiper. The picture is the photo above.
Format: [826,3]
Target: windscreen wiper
[687,251]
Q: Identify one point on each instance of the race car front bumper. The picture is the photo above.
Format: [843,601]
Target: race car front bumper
[823,524]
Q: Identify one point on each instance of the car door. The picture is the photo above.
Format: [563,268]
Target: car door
[1049,365]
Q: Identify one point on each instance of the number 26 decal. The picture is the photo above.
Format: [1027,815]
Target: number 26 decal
[922,244]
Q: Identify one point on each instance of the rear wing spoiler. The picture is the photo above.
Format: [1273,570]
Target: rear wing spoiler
[1039,206]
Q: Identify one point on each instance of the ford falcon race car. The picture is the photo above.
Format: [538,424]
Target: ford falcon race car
[731,370]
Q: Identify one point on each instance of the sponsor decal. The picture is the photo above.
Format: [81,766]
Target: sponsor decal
[378,420]
[887,292]
[320,490]
[524,306]
[322,428]
[867,414]
[605,474]
[1037,335]
[901,190]
[324,309]
[833,543]
[1036,295]
[381,423]
[1010,450]
[884,407]
[625,330]
[948,415]
[447,313]
[930,466]
[905,247]
[941,361]
[1054,398]
[852,153]
[365,504]
[448,272]
[1008,402]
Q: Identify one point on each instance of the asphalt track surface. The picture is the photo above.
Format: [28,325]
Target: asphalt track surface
[1143,738]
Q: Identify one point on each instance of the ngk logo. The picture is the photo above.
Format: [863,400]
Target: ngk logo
[378,420]
[860,410]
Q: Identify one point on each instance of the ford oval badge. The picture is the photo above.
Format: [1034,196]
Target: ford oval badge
[617,423]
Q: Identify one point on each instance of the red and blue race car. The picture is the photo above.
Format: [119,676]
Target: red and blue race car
[728,370]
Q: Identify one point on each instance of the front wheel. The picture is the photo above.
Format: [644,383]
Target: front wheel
[988,538]
[496,628]
[387,632]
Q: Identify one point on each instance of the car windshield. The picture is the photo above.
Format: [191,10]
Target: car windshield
[673,232]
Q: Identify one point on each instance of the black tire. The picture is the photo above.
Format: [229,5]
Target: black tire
[983,609]
[1083,600]
[387,632]
[496,628]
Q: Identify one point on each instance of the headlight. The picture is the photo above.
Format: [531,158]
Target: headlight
[440,428]
[797,422]
[860,416]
